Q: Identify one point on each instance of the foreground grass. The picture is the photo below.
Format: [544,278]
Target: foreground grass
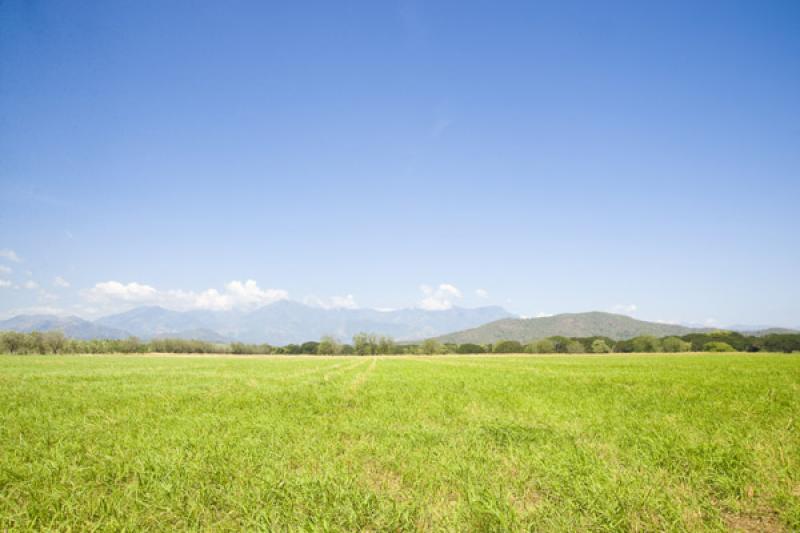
[655,442]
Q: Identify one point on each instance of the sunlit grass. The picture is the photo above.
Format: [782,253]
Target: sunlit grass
[655,442]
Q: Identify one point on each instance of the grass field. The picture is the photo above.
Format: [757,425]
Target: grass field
[550,443]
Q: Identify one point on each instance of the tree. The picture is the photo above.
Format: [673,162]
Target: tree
[309,348]
[470,348]
[780,342]
[575,347]
[600,346]
[508,347]
[675,345]
[541,346]
[718,346]
[364,344]
[559,343]
[646,344]
[386,345]
[329,346]
[430,347]
[293,349]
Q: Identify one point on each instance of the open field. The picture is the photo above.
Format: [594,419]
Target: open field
[655,442]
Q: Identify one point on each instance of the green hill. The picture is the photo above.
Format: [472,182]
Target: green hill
[569,325]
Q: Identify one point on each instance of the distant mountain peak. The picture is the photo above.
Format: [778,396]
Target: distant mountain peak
[587,324]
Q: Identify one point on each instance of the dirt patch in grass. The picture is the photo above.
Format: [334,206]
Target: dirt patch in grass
[383,481]
[762,522]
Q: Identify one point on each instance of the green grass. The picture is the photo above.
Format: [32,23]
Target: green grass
[546,443]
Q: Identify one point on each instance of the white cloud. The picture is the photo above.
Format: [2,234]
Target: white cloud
[60,282]
[11,255]
[624,309]
[334,302]
[481,293]
[249,294]
[4,283]
[5,270]
[670,322]
[237,294]
[114,290]
[543,315]
[30,284]
[439,298]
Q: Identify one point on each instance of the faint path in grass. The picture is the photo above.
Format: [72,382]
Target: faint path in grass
[312,371]
[332,372]
[363,376]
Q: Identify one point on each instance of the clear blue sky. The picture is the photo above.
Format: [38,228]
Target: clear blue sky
[632,156]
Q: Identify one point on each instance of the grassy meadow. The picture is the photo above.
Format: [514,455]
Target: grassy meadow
[545,443]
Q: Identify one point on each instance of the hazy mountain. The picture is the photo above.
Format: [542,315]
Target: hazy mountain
[154,321]
[71,326]
[287,321]
[759,331]
[568,325]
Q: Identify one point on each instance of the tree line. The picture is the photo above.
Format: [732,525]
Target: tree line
[54,342]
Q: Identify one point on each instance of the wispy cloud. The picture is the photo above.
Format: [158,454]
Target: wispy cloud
[481,293]
[47,296]
[624,309]
[32,310]
[438,298]
[30,284]
[11,255]
[5,269]
[334,302]
[61,283]
[4,283]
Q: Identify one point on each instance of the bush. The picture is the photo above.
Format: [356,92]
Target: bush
[718,346]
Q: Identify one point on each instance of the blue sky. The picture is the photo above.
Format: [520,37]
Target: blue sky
[546,157]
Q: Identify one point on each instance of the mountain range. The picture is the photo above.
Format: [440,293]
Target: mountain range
[279,323]
[590,324]
[287,322]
